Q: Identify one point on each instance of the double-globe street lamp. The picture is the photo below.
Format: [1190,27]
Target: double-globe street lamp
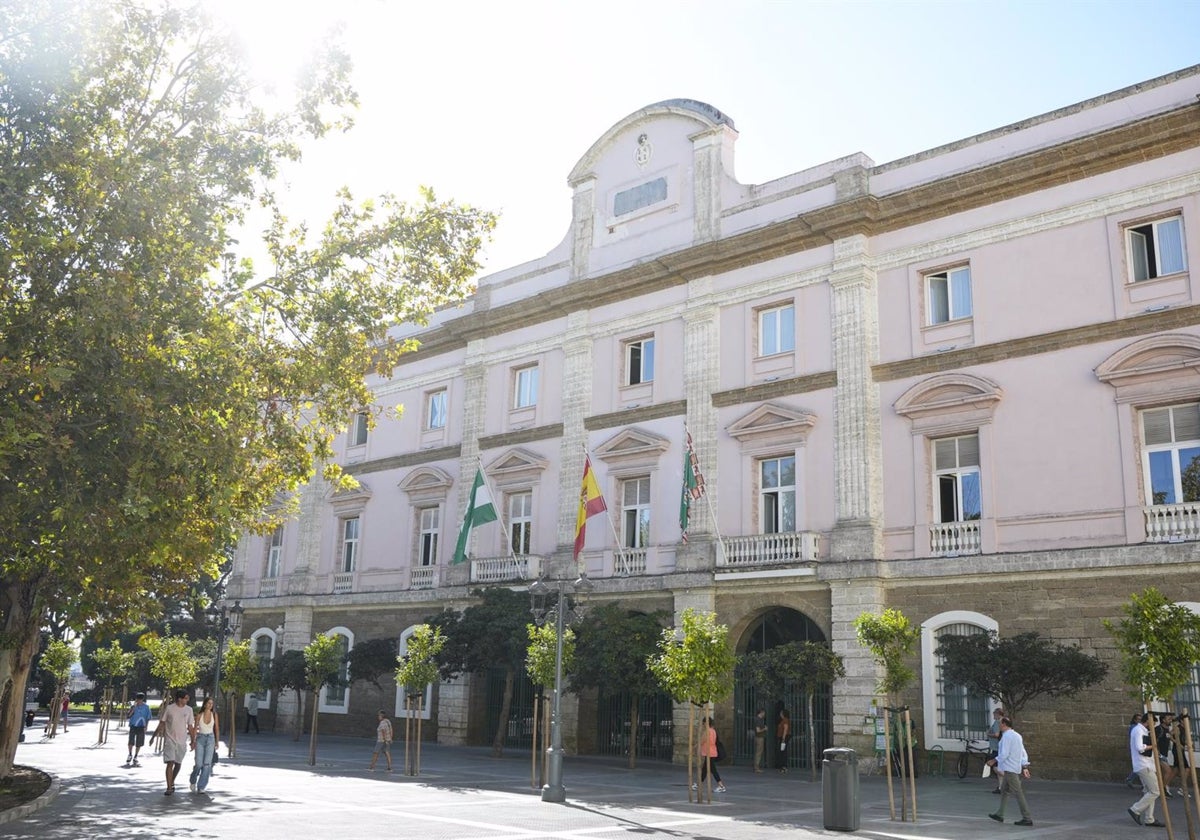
[230,621]
[539,593]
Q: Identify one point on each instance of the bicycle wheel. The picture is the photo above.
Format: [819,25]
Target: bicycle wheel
[961,768]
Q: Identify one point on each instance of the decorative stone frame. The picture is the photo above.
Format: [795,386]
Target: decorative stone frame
[516,470]
[771,430]
[426,487]
[261,632]
[632,453]
[929,629]
[344,709]
[1134,298]
[348,504]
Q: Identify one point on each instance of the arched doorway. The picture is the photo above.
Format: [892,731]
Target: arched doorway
[773,628]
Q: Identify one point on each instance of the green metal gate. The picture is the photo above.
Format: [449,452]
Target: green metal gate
[747,703]
[655,732]
[519,730]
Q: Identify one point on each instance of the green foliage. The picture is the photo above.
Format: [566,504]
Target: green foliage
[323,659]
[1159,641]
[241,673]
[372,659]
[1016,669]
[287,671]
[697,666]
[418,667]
[113,662]
[58,659]
[490,634]
[805,665]
[890,638]
[612,650]
[541,656]
[170,660]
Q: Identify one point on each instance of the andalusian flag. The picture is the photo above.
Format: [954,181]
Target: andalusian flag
[591,502]
[693,486]
[480,511]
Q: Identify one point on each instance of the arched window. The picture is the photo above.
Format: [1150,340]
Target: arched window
[951,712]
[262,645]
[400,710]
[336,698]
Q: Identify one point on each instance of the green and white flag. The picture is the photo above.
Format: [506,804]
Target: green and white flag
[480,511]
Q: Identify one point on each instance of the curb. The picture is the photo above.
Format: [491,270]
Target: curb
[36,805]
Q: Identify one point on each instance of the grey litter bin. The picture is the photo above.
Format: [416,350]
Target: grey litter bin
[839,788]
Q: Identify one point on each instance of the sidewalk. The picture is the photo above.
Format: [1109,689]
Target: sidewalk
[269,791]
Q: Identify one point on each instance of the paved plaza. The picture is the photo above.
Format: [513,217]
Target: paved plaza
[269,791]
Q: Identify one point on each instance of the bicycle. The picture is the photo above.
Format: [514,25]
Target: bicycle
[972,746]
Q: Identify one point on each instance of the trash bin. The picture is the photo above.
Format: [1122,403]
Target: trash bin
[839,788]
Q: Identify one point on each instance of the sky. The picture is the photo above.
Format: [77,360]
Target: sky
[492,103]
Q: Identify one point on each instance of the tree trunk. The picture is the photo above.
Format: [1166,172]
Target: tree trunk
[533,746]
[1177,743]
[298,724]
[505,707]
[887,753]
[635,731]
[691,753]
[420,716]
[912,767]
[21,630]
[312,741]
[812,738]
[231,724]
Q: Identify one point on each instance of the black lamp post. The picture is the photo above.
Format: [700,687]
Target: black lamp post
[539,593]
[230,620]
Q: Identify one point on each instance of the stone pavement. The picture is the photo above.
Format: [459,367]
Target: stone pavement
[269,792]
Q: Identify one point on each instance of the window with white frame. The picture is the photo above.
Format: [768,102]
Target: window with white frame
[274,552]
[336,698]
[525,387]
[1156,249]
[948,295]
[960,713]
[264,652]
[359,428]
[635,512]
[777,330]
[429,519]
[777,494]
[520,521]
[435,410]
[410,710]
[639,361]
[956,479]
[1171,437]
[351,526]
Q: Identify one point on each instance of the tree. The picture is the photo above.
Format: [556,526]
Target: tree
[415,671]
[890,637]
[695,667]
[57,662]
[1017,669]
[241,675]
[486,635]
[611,653]
[323,660]
[371,660]
[158,390]
[805,665]
[287,672]
[170,661]
[112,663]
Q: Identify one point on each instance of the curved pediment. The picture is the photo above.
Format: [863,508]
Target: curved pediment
[1157,356]
[516,466]
[427,483]
[354,497]
[632,445]
[949,393]
[770,421]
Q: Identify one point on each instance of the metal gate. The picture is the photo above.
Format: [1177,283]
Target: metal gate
[747,702]
[519,730]
[655,732]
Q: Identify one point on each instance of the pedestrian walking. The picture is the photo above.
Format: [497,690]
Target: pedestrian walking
[783,731]
[138,717]
[994,744]
[383,741]
[1166,750]
[1132,781]
[66,704]
[1013,762]
[1141,754]
[251,713]
[177,726]
[760,740]
[711,752]
[204,743]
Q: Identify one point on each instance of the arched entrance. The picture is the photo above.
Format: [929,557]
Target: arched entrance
[773,628]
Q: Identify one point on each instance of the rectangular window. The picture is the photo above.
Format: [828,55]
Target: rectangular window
[335,695]
[264,651]
[777,483]
[639,361]
[427,551]
[359,429]
[960,714]
[777,330]
[1156,249]
[635,512]
[435,412]
[949,295]
[1171,437]
[274,550]
[520,522]
[956,477]
[350,530]
[525,387]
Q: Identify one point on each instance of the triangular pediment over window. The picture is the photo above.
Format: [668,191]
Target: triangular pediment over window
[772,421]
[426,484]
[516,466]
[632,445]
[353,498]
[1155,368]
[948,394]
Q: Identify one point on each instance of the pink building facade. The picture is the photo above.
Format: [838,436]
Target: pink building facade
[964,384]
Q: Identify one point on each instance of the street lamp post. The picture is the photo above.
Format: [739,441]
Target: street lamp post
[538,593]
[231,620]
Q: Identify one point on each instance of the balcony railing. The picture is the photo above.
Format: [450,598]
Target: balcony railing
[1173,523]
[768,549]
[951,539]
[499,569]
[423,577]
[629,561]
[343,582]
[267,588]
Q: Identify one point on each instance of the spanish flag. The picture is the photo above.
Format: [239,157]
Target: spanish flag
[591,502]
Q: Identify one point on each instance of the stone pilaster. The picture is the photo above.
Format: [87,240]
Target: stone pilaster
[474,412]
[297,633]
[858,533]
[583,215]
[701,377]
[453,710]
[314,497]
[576,403]
[852,693]
[712,153]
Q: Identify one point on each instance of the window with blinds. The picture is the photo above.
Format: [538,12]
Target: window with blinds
[1171,437]
[956,479]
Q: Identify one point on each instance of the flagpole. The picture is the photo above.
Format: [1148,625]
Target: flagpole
[617,546]
[587,460]
[687,433]
[512,555]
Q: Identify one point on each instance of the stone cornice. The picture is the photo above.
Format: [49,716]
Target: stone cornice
[515,438]
[779,388]
[630,416]
[1082,157]
[412,459]
[1032,345]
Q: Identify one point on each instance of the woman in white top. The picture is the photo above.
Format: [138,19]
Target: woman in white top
[208,733]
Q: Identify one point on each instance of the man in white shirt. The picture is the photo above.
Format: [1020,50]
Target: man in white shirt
[1141,754]
[1013,762]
